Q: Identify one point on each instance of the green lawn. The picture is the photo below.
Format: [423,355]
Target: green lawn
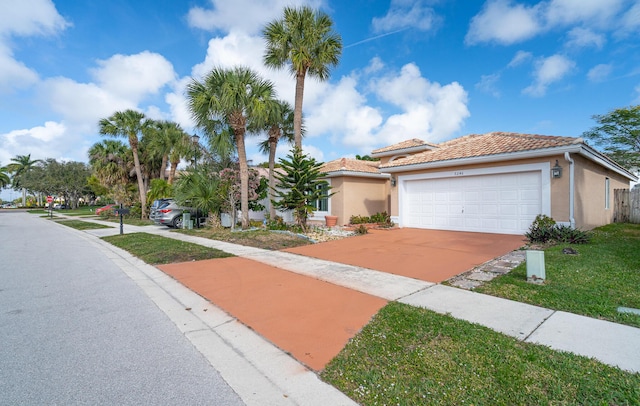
[81,225]
[154,249]
[264,239]
[602,277]
[412,356]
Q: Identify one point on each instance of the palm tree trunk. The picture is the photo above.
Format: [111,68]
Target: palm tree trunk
[244,177]
[141,190]
[272,180]
[163,167]
[297,110]
[172,172]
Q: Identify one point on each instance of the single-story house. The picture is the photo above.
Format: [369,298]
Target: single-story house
[496,182]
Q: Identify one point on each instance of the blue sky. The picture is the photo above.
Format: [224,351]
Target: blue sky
[431,69]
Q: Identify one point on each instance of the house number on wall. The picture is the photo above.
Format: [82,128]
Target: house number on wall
[458,173]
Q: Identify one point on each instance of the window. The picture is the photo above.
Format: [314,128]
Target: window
[606,193]
[322,204]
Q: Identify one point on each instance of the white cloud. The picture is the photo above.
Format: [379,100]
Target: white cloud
[630,21]
[429,110]
[583,37]
[121,82]
[504,23]
[41,142]
[488,83]
[519,58]
[30,17]
[560,12]
[14,74]
[24,18]
[507,22]
[341,111]
[133,76]
[404,14]
[241,15]
[82,102]
[549,70]
[599,73]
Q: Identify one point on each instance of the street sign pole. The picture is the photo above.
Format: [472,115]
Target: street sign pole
[49,201]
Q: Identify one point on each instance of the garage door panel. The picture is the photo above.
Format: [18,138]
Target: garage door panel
[501,203]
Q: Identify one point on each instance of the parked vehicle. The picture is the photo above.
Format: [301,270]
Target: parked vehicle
[169,213]
[104,209]
[153,210]
[59,206]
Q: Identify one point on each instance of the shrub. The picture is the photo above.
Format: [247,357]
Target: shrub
[382,218]
[567,234]
[361,229]
[544,229]
[359,220]
[541,230]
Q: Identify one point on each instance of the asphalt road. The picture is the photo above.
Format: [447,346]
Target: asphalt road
[74,329]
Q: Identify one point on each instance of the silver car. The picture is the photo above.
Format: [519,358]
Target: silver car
[170,213]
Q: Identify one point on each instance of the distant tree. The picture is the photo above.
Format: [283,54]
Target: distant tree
[618,132]
[366,158]
[19,167]
[300,185]
[304,39]
[128,124]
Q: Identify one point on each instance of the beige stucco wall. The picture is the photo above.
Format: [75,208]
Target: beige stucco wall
[589,208]
[356,196]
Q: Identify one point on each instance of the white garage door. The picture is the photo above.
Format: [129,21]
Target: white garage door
[505,203]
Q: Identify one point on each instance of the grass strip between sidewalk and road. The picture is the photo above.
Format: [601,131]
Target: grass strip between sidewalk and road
[604,275]
[413,356]
[155,249]
[81,225]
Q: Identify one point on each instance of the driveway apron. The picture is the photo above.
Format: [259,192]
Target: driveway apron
[309,318]
[429,255]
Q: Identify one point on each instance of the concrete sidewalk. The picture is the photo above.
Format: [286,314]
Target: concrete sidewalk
[611,343]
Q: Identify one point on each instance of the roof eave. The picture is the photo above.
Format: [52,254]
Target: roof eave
[355,174]
[408,150]
[581,149]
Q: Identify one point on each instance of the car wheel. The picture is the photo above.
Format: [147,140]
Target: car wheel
[177,222]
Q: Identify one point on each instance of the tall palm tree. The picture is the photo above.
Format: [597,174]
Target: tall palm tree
[305,40]
[239,97]
[128,124]
[279,125]
[21,165]
[165,135]
[182,148]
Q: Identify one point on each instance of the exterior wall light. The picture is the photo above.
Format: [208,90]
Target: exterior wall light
[556,171]
[393,181]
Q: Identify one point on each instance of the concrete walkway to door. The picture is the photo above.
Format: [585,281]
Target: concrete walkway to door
[428,255]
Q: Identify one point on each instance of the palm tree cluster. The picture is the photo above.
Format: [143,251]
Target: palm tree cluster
[227,104]
[151,146]
[241,102]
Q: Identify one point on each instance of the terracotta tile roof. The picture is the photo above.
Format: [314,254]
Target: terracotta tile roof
[351,165]
[476,145]
[402,145]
